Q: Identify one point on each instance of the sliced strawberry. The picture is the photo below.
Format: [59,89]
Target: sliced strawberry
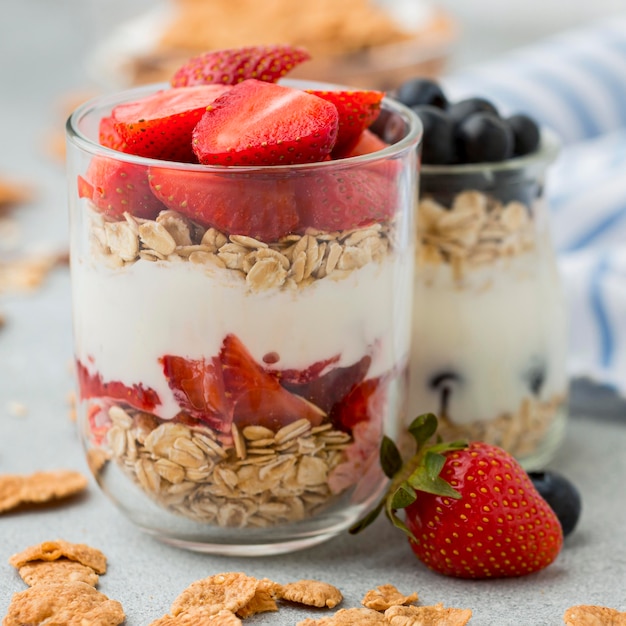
[341,199]
[234,203]
[109,136]
[231,66]
[115,187]
[258,396]
[159,126]
[357,110]
[92,386]
[198,388]
[307,375]
[258,123]
[233,387]
[364,403]
[330,388]
[366,143]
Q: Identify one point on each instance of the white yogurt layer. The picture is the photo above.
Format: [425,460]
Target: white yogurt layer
[126,319]
[504,326]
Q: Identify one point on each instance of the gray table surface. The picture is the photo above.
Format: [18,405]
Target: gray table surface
[41,47]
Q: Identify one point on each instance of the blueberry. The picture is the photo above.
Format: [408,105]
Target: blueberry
[438,142]
[444,382]
[421,91]
[525,134]
[464,108]
[562,496]
[535,375]
[484,137]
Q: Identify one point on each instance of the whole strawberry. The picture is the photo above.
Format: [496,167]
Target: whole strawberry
[470,511]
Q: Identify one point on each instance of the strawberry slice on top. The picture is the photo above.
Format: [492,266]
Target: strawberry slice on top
[357,111]
[235,204]
[159,126]
[259,123]
[233,65]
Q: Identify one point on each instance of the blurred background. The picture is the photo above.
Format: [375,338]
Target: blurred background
[57,53]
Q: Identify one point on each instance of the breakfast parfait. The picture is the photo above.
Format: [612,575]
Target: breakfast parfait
[489,321]
[242,263]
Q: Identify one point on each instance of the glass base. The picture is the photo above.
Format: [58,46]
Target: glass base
[180,531]
[545,451]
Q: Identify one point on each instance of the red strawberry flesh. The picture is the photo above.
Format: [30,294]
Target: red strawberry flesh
[159,126]
[357,111]
[116,187]
[234,203]
[233,65]
[500,527]
[91,385]
[258,123]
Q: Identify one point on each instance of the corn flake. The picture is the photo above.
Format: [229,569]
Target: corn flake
[61,570]
[70,603]
[348,617]
[312,593]
[587,615]
[264,599]
[54,550]
[230,591]
[435,615]
[385,596]
[39,487]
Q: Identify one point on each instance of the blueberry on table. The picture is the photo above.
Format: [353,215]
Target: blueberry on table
[561,495]
[462,109]
[484,137]
[438,141]
[525,134]
[421,91]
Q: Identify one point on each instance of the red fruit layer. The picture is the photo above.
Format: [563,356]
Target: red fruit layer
[231,66]
[115,188]
[137,396]
[234,204]
[232,387]
[159,126]
[357,111]
[258,123]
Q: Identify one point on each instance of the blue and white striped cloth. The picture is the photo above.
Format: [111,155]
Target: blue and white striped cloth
[575,83]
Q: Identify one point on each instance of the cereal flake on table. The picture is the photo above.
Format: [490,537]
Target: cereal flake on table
[230,591]
[39,487]
[348,617]
[58,549]
[312,593]
[590,615]
[58,571]
[436,615]
[71,603]
[386,596]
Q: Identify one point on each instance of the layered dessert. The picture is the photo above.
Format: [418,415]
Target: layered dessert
[489,321]
[241,291]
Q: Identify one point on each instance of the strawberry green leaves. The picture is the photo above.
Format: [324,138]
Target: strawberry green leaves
[420,473]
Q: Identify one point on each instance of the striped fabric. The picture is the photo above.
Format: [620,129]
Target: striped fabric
[575,83]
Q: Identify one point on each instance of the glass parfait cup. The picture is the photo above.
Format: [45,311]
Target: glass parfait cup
[489,321]
[234,389]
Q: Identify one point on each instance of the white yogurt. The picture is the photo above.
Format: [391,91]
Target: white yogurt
[126,319]
[507,322]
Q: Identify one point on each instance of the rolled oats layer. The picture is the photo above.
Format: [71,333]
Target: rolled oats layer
[520,432]
[293,262]
[476,230]
[253,478]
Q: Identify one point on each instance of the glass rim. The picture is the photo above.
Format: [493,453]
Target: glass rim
[78,138]
[549,148]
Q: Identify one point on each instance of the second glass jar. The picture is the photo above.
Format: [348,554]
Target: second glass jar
[489,321]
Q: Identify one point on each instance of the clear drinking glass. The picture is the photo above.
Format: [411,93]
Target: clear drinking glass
[489,321]
[233,391]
